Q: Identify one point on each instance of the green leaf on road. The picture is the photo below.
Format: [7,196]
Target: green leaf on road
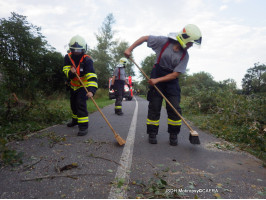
[262,193]
[120,182]
[217,196]
[163,182]
[191,187]
[166,169]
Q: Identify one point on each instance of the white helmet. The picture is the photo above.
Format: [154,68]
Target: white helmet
[123,62]
[77,44]
[190,33]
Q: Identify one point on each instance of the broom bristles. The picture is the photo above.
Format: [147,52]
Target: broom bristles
[120,140]
[194,139]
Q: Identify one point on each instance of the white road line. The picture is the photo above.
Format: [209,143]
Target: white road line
[123,171]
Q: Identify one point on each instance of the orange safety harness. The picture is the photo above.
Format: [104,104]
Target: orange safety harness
[75,81]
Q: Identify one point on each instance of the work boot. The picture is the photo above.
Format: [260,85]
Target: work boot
[152,139]
[82,132]
[72,123]
[173,139]
[120,113]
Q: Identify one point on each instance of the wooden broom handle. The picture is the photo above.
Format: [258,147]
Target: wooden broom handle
[162,95]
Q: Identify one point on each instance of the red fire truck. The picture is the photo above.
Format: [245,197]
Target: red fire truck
[128,91]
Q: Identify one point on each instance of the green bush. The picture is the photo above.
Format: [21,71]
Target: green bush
[102,93]
[27,116]
[231,116]
[204,100]
[9,156]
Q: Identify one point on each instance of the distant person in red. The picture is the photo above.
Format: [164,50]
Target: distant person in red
[118,82]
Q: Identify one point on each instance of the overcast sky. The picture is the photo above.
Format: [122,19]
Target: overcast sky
[234,31]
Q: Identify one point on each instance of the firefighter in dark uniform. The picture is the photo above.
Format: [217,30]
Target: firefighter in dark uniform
[172,59]
[118,82]
[78,62]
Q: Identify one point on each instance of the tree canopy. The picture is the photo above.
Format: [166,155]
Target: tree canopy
[254,80]
[107,52]
[27,62]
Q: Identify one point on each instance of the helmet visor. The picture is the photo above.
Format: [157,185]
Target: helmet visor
[77,50]
[76,45]
[198,41]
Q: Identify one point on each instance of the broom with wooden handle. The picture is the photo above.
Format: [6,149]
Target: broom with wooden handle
[120,140]
[194,136]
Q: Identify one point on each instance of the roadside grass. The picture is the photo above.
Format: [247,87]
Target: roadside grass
[45,112]
[25,117]
[231,133]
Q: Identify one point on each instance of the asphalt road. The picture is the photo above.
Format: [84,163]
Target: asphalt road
[59,164]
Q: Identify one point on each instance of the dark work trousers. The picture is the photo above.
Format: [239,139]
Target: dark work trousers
[171,91]
[78,103]
[119,92]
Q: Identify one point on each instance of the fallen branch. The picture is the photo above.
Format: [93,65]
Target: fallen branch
[31,165]
[57,176]
[151,165]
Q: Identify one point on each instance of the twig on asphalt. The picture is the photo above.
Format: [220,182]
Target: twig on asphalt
[56,176]
[29,166]
[151,164]
[91,155]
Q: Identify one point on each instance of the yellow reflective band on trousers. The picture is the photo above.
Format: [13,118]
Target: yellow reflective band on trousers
[174,123]
[118,107]
[83,119]
[153,122]
[74,116]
